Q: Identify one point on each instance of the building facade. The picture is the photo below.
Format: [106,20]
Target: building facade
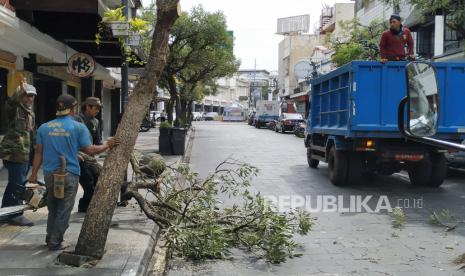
[36,41]
[230,90]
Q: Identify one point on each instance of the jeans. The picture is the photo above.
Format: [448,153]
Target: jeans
[87,180]
[17,176]
[59,210]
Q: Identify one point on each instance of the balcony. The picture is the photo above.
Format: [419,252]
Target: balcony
[73,23]
[329,26]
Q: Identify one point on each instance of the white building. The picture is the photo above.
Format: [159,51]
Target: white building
[230,90]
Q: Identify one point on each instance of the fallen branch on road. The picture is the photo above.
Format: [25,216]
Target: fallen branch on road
[198,225]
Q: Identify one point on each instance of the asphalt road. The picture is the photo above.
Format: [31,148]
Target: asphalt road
[340,243]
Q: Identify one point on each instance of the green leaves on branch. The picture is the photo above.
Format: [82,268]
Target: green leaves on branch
[357,42]
[206,218]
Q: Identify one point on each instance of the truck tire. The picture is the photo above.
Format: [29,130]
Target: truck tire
[354,169]
[420,172]
[313,163]
[337,164]
[438,170]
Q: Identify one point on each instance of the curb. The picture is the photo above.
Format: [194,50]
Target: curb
[146,259]
[156,262]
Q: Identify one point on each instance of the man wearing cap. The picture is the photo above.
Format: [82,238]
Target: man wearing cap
[395,41]
[16,148]
[62,137]
[90,169]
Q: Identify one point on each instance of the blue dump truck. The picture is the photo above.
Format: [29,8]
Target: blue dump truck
[353,122]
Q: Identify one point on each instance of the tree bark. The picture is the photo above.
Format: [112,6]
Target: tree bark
[172,88]
[94,231]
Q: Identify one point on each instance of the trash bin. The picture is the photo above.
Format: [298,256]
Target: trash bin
[178,140]
[164,141]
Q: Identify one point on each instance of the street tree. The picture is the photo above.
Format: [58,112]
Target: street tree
[94,231]
[357,42]
[201,51]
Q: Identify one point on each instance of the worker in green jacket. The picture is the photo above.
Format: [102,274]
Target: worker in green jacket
[16,148]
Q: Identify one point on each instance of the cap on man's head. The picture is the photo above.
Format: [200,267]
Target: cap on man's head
[30,90]
[64,104]
[93,101]
[394,16]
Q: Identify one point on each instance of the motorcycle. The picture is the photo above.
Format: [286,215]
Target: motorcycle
[145,125]
[299,130]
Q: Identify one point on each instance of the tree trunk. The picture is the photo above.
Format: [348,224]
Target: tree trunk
[189,112]
[184,111]
[94,231]
[172,88]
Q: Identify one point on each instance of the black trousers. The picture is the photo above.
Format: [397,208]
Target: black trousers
[88,180]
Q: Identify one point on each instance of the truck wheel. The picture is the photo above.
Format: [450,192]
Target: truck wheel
[337,164]
[420,173]
[438,170]
[313,163]
[354,170]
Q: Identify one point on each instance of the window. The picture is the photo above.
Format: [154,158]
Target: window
[452,38]
[425,42]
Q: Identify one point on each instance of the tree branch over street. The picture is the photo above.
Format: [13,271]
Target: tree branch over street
[206,218]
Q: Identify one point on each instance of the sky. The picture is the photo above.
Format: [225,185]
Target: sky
[254,24]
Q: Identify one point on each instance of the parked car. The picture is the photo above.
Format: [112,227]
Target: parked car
[272,125]
[287,122]
[299,130]
[211,116]
[251,118]
[196,116]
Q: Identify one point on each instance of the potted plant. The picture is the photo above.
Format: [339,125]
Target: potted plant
[137,27]
[116,20]
[164,141]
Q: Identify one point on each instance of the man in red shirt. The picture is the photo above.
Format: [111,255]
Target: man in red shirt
[395,41]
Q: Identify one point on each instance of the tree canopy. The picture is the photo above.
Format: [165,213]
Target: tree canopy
[358,43]
[201,51]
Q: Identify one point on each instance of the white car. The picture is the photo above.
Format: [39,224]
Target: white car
[155,115]
[196,116]
[210,116]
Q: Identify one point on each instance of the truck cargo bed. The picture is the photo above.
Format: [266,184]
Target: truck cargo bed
[361,98]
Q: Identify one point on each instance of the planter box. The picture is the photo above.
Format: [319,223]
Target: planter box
[164,141]
[134,40]
[178,140]
[119,28]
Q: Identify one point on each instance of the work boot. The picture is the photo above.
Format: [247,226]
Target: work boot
[20,221]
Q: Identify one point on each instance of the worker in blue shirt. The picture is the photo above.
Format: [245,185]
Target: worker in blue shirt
[57,146]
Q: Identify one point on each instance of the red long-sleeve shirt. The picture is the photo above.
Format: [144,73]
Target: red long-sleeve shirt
[392,46]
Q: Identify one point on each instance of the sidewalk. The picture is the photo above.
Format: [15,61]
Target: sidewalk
[129,246]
